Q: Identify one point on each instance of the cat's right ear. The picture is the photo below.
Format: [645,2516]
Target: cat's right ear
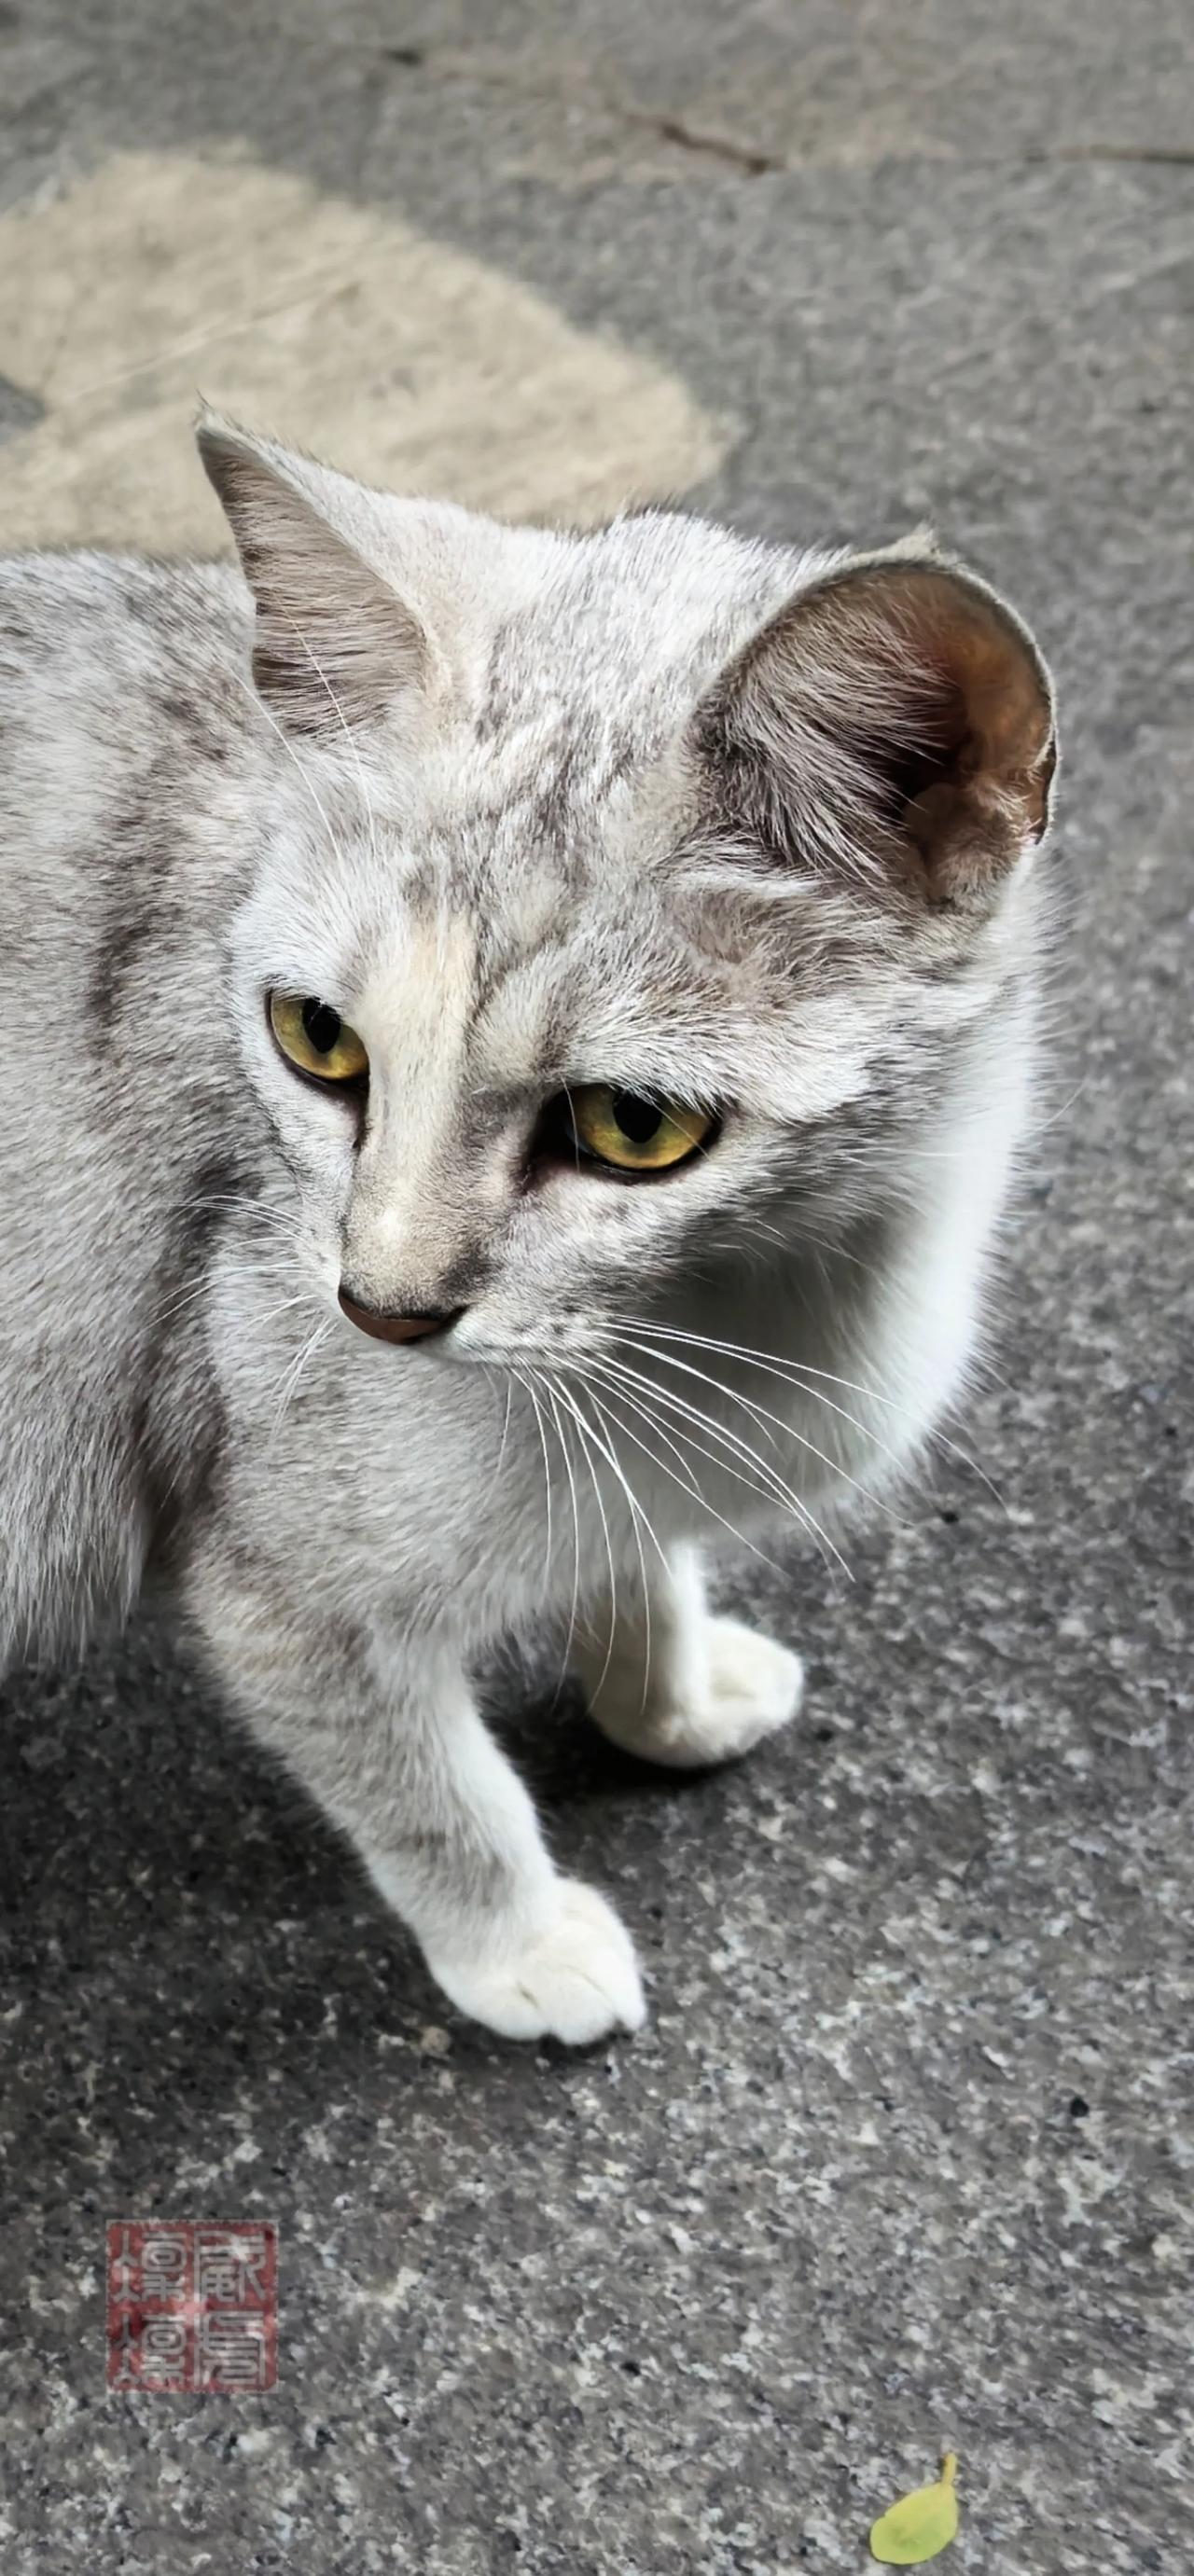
[892,726]
[334,644]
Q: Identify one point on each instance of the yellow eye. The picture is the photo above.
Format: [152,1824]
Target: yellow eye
[633,1134]
[315,1038]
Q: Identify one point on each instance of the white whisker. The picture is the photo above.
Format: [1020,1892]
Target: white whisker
[290,1387]
[638,1515]
[529,1390]
[505,1430]
[201,1291]
[763,1413]
[797,1372]
[695,1492]
[766,1480]
[345,728]
[586,1431]
[608,1380]
[258,703]
[546,1392]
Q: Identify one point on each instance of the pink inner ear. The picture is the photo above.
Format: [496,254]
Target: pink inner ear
[900,720]
[1003,701]
[982,799]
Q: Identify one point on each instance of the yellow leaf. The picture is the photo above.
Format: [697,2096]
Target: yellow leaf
[920,2525]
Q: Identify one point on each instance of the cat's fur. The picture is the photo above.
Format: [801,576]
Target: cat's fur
[747,827]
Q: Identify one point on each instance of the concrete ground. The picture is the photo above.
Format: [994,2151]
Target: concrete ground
[904,2157]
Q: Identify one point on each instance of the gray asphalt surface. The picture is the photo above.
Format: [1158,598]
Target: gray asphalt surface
[905,2154]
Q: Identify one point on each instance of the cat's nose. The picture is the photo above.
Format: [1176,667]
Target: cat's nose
[397,1328]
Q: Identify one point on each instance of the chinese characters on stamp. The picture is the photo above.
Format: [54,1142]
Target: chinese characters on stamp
[192,2307]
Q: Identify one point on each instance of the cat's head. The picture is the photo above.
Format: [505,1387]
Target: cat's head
[627,902]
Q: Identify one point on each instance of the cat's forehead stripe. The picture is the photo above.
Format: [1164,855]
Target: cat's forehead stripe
[517,1028]
[425,991]
[450,994]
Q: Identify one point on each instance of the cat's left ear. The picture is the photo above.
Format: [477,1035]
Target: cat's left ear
[334,644]
[893,724]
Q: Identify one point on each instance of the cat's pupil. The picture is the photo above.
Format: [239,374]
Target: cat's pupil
[638,1119]
[321,1026]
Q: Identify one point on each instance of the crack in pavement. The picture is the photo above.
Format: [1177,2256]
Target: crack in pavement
[750,158]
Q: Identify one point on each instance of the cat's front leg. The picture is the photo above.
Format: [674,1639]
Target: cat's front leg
[669,1680]
[387,1737]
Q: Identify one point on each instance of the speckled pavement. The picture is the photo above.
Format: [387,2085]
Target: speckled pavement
[905,2155]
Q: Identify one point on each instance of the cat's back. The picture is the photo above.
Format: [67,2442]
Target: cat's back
[122,841]
[119,679]
[125,827]
[123,731]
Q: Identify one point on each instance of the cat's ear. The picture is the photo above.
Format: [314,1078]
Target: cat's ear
[893,722]
[335,645]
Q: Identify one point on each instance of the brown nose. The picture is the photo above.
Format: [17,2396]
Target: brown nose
[396,1328]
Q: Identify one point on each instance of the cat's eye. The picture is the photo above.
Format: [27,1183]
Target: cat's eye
[315,1039]
[632,1134]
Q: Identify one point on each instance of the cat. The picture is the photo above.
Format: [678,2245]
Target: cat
[512,1047]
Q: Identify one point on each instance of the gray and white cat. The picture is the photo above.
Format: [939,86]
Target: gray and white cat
[510,1052]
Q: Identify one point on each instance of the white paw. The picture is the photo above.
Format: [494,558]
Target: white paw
[748,1688]
[575,1979]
